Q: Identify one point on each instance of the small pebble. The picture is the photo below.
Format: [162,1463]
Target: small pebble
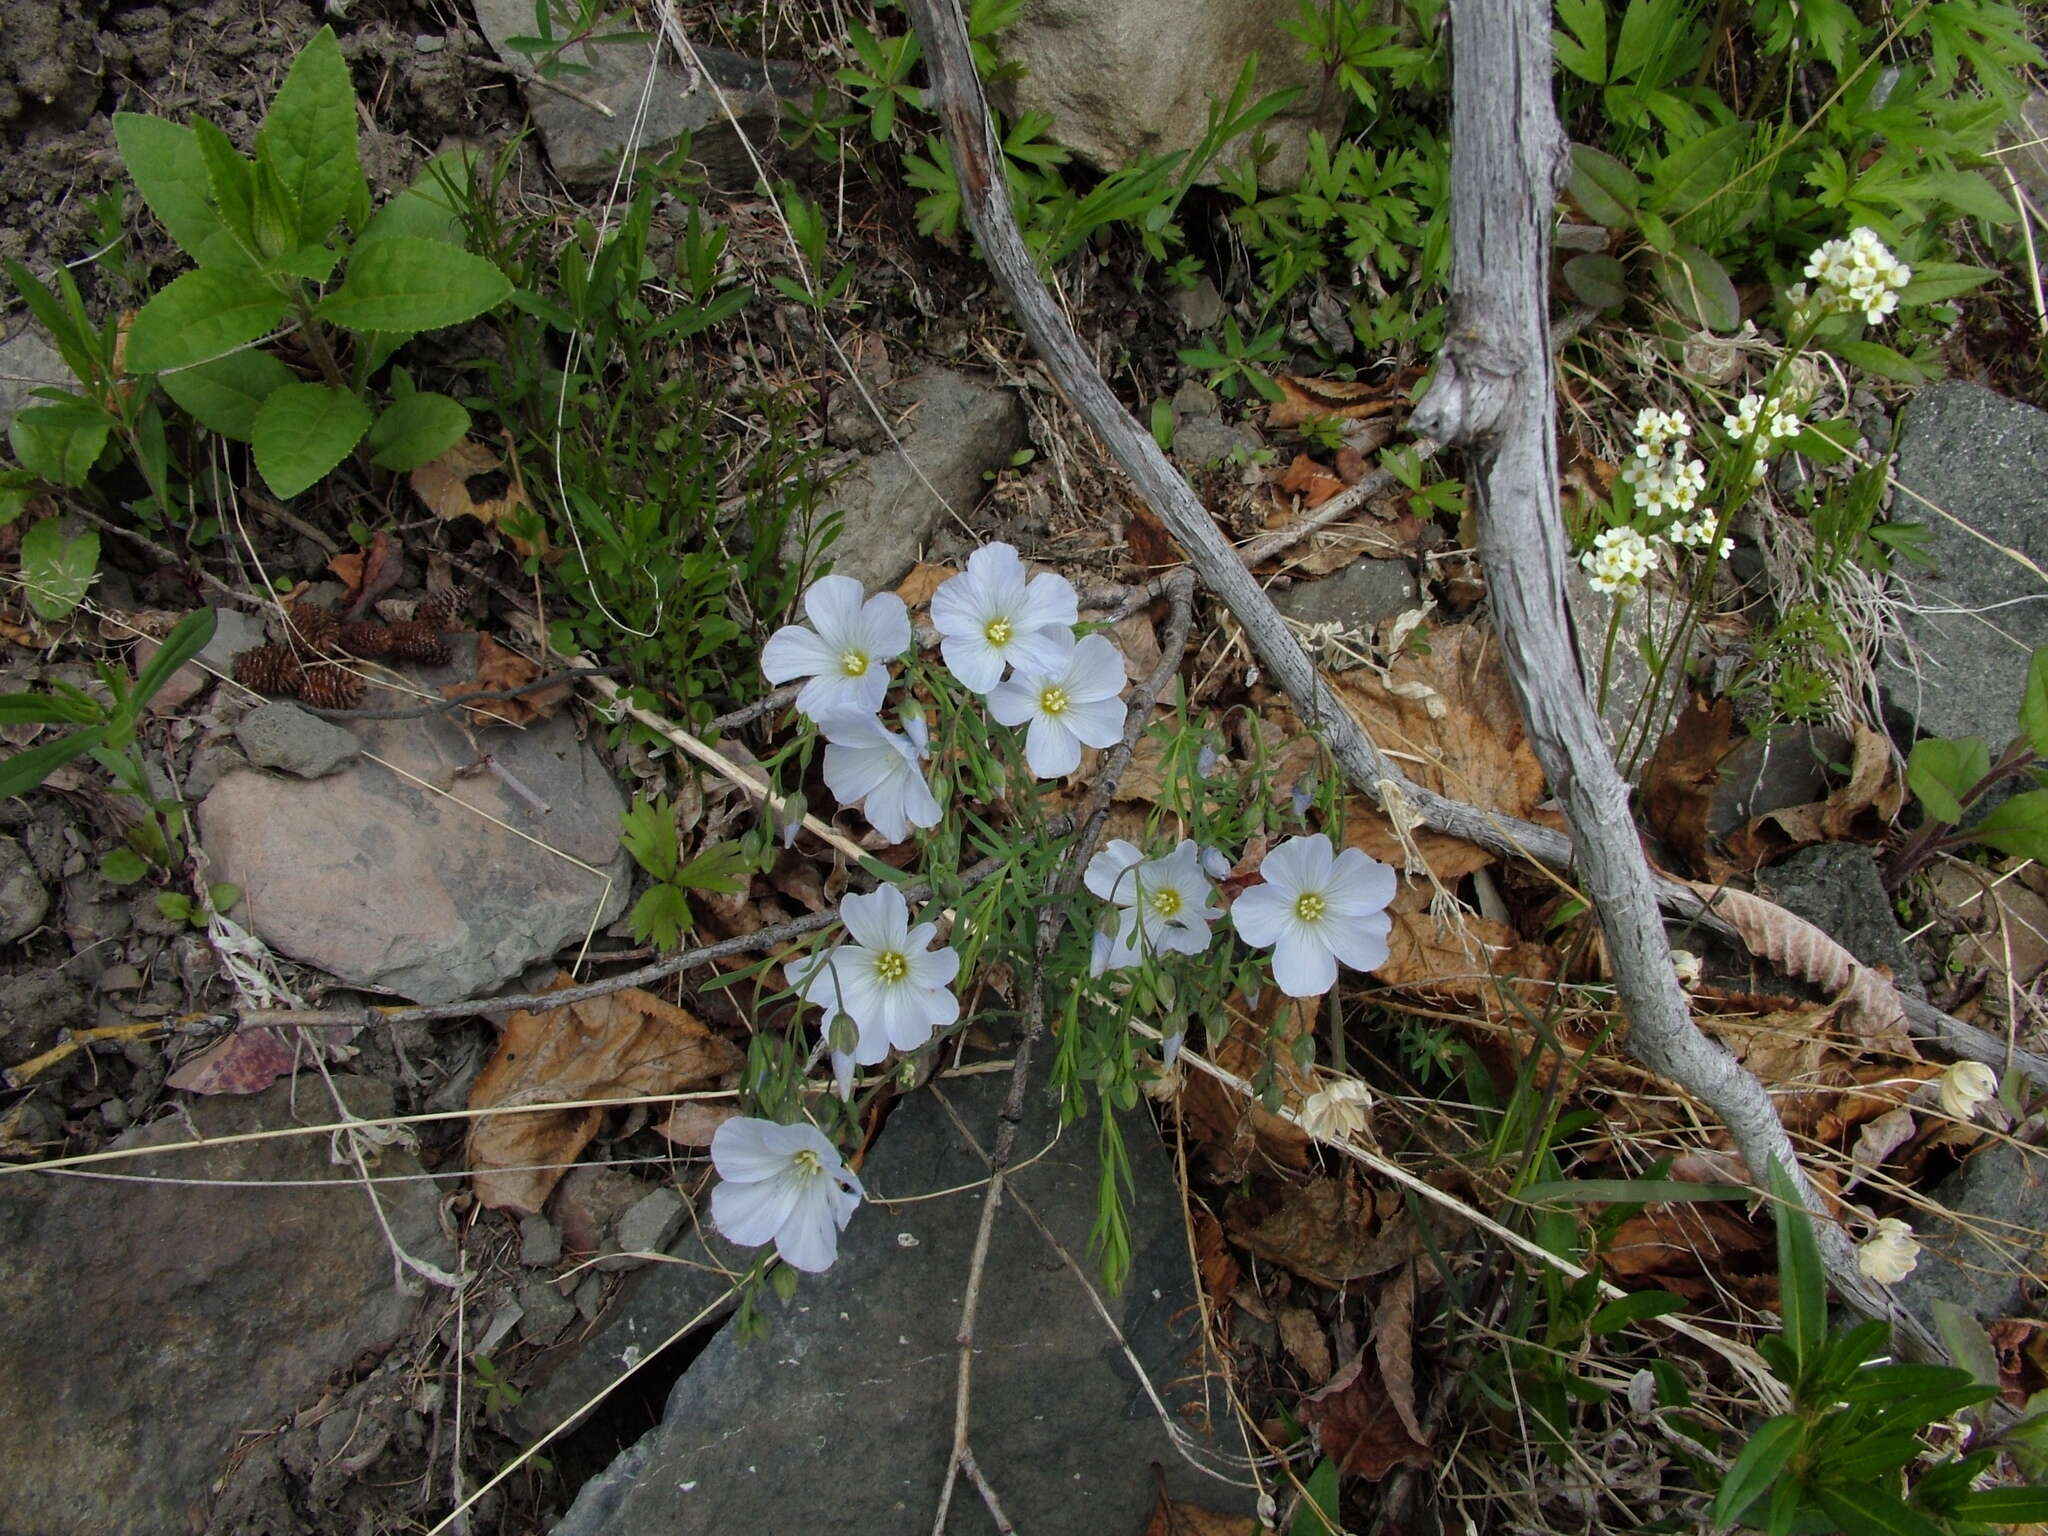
[427,42]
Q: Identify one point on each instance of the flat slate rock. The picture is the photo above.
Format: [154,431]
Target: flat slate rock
[840,1419]
[438,876]
[147,1325]
[1971,625]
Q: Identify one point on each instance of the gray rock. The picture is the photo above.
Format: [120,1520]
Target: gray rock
[545,1313]
[1774,772]
[27,363]
[1988,1256]
[649,1225]
[1653,611]
[585,147]
[283,736]
[954,430]
[1836,887]
[1357,597]
[1064,1434]
[34,1006]
[2026,140]
[439,885]
[23,901]
[1971,627]
[148,1325]
[1202,439]
[1128,80]
[540,1242]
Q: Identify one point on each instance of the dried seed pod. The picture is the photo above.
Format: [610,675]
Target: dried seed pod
[366,638]
[315,628]
[414,641]
[438,612]
[269,669]
[331,688]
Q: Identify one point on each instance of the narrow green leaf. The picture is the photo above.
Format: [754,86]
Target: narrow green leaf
[1872,1510]
[25,770]
[415,430]
[1875,357]
[1630,1191]
[1317,1515]
[1802,1283]
[405,284]
[224,395]
[1941,770]
[201,316]
[186,640]
[2004,1506]
[2034,703]
[44,709]
[309,139]
[1636,1308]
[1757,1467]
[58,570]
[170,172]
[1935,281]
[302,431]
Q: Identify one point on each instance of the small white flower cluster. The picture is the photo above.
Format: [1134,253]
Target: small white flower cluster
[1665,479]
[1698,534]
[1618,561]
[1766,422]
[1858,273]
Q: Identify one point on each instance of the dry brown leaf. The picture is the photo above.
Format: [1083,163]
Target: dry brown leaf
[368,573]
[1150,546]
[1327,1231]
[917,588]
[1301,1335]
[1362,1430]
[1679,779]
[621,1046]
[1231,1129]
[470,480]
[1350,400]
[499,670]
[1798,948]
[1173,1517]
[2021,1347]
[1393,1347]
[1696,1250]
[1789,1048]
[248,1061]
[1214,1260]
[693,1122]
[1308,480]
[2004,922]
[1878,1140]
[1875,785]
[1465,957]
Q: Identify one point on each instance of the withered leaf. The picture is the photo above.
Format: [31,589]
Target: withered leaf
[1310,481]
[1173,1517]
[616,1047]
[499,670]
[1393,1347]
[1327,1231]
[1466,957]
[1362,1430]
[1679,779]
[1305,399]
[1301,1335]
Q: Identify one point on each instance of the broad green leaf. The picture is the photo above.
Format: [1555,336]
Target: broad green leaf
[1317,1515]
[419,428]
[2005,1506]
[1826,442]
[429,209]
[314,263]
[175,906]
[1604,187]
[1971,194]
[201,316]
[1802,1284]
[1875,357]
[405,284]
[1636,1308]
[309,139]
[2018,826]
[230,180]
[123,866]
[1581,45]
[1695,173]
[58,569]
[59,443]
[223,395]
[648,832]
[302,431]
[186,640]
[1597,279]
[1871,1509]
[1967,1343]
[170,173]
[2034,703]
[1940,771]
[1757,1467]
[25,770]
[1935,281]
[1698,287]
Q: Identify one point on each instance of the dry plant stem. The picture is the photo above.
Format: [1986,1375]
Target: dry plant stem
[1180,591]
[1505,154]
[1494,394]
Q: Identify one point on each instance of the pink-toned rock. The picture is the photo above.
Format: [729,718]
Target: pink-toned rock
[440,865]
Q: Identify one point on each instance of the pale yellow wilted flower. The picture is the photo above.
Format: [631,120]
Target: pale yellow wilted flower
[1964,1086]
[1889,1255]
[1343,1108]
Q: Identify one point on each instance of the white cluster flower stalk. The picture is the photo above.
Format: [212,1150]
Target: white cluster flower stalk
[1859,273]
[1618,561]
[1665,479]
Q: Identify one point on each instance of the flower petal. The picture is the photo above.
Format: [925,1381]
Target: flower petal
[1036,650]
[935,967]
[1261,914]
[1359,883]
[1050,749]
[882,628]
[751,1214]
[1299,864]
[1360,942]
[1098,722]
[854,773]
[793,651]
[1049,602]
[879,919]
[1096,670]
[809,1239]
[1012,703]
[1108,873]
[971,659]
[1302,965]
[749,1149]
[833,604]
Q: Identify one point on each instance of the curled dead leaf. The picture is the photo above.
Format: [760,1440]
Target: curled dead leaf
[470,480]
[499,670]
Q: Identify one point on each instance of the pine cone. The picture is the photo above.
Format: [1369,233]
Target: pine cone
[414,641]
[313,627]
[365,638]
[331,688]
[269,669]
[438,612]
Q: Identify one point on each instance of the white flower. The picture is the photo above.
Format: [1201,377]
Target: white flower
[1163,904]
[865,760]
[1964,1086]
[1618,560]
[1859,273]
[1342,1109]
[1317,908]
[1074,702]
[888,980]
[1655,429]
[784,1183]
[846,656]
[991,618]
[1889,1256]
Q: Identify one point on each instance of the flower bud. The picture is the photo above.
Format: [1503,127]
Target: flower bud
[1964,1086]
[842,1034]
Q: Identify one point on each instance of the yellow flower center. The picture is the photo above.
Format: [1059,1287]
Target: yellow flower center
[1053,700]
[890,966]
[998,632]
[807,1164]
[1308,907]
[1166,902]
[853,663]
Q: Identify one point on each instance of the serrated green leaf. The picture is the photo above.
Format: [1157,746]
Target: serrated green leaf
[230,181]
[404,284]
[309,139]
[647,832]
[57,569]
[1940,771]
[721,867]
[224,395]
[302,431]
[415,430]
[170,172]
[661,916]
[1935,281]
[25,770]
[1581,44]
[314,263]
[2018,826]
[57,443]
[201,316]
[428,209]
[1757,1467]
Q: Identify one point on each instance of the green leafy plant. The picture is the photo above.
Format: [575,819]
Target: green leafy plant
[662,914]
[581,23]
[286,242]
[107,730]
[1950,776]
[1237,360]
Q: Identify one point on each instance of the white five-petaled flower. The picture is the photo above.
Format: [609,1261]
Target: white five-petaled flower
[846,654]
[990,618]
[1075,702]
[785,1184]
[1964,1086]
[1163,904]
[1618,560]
[866,761]
[1859,273]
[1889,1255]
[1317,907]
[889,980]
